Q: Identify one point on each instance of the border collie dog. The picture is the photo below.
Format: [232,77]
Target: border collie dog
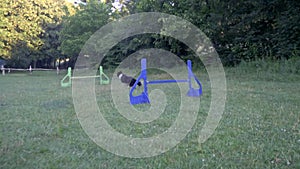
[127,79]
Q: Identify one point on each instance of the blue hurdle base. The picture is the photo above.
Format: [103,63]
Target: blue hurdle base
[194,92]
[139,99]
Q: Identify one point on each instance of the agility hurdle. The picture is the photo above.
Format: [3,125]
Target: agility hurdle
[67,80]
[144,97]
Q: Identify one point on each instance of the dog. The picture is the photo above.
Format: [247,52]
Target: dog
[127,79]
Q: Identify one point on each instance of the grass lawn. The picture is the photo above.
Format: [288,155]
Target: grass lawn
[260,127]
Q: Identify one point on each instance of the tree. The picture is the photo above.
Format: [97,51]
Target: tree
[251,30]
[78,28]
[239,29]
[24,22]
[194,11]
[286,29]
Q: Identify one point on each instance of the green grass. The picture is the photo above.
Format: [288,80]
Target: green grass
[260,127]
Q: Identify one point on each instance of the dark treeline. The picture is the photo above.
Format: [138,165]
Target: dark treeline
[239,30]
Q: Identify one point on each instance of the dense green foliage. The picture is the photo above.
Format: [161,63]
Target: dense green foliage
[28,30]
[81,26]
[239,29]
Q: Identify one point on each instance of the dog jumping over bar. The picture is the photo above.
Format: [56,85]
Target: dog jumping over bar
[127,79]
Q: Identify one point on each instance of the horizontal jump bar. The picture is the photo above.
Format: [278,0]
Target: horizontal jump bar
[83,77]
[166,81]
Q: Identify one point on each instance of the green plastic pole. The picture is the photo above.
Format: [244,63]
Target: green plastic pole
[103,77]
[67,78]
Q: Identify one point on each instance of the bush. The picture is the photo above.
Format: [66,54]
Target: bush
[291,65]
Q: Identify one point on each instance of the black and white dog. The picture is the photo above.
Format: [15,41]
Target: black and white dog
[127,79]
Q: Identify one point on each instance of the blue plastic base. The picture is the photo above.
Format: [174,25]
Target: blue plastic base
[194,92]
[140,99]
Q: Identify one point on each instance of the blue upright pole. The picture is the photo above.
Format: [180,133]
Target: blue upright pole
[143,97]
[192,91]
[189,68]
